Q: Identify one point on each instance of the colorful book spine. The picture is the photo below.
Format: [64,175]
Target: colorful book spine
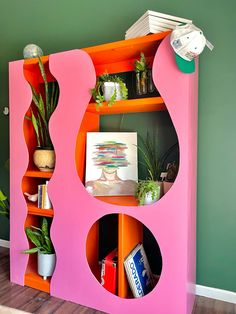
[109,272]
[43,198]
[138,272]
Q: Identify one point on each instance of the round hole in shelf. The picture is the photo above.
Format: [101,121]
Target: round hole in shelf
[119,247]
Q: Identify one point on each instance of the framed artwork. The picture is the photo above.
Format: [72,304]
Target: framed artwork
[111,163]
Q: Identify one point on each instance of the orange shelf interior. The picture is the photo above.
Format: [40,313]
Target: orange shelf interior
[130,233]
[32,176]
[33,280]
[34,210]
[120,56]
[128,106]
[119,200]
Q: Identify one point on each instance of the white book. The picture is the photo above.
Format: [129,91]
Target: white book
[147,28]
[161,15]
[145,31]
[152,20]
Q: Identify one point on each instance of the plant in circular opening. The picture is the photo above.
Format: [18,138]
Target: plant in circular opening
[145,187]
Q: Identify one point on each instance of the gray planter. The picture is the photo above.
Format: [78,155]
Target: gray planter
[46,264]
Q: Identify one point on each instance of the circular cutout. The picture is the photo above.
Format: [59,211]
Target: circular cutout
[124,256]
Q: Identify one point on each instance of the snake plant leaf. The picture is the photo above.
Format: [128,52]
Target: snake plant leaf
[43,73]
[45,231]
[35,125]
[49,244]
[31,251]
[33,237]
[2,196]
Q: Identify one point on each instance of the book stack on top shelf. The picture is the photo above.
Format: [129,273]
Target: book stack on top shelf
[154,22]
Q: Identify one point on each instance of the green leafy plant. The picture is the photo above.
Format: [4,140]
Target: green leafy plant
[4,205]
[44,106]
[153,161]
[40,238]
[141,65]
[144,187]
[97,91]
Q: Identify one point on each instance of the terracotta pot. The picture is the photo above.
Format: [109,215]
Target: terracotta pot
[167,186]
[46,264]
[44,159]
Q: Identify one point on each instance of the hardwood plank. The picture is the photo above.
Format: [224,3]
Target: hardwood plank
[34,301]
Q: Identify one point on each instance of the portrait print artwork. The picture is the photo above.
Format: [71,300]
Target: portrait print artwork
[111,163]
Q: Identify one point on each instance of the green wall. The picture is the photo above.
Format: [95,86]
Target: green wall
[58,25]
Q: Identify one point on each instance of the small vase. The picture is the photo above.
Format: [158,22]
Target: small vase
[46,264]
[138,83]
[109,89]
[151,86]
[143,83]
[44,159]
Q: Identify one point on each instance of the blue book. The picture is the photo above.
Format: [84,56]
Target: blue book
[138,272]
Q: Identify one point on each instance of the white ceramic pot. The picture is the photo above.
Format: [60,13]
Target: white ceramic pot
[150,199]
[109,88]
[46,264]
[44,159]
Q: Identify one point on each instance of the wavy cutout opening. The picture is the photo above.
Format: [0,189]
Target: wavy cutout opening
[45,95]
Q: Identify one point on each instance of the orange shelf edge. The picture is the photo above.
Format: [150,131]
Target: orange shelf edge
[126,43]
[119,200]
[35,281]
[130,105]
[38,174]
[34,210]
[130,233]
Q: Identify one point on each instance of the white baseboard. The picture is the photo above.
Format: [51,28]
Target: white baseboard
[4,243]
[218,294]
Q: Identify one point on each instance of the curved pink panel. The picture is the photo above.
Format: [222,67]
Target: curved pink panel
[180,91]
[75,75]
[171,219]
[20,99]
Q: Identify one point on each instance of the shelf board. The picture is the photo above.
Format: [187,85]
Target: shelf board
[38,174]
[130,105]
[34,210]
[35,281]
[119,56]
[119,200]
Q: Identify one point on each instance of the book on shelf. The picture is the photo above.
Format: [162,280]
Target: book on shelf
[43,198]
[109,272]
[154,22]
[138,272]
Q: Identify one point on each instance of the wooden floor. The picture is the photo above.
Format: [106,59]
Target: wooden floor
[33,301]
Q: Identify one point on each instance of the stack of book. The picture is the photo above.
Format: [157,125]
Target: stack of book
[154,22]
[43,199]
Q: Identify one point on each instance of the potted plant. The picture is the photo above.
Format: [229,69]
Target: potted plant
[147,192]
[41,111]
[4,205]
[155,163]
[43,246]
[109,88]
